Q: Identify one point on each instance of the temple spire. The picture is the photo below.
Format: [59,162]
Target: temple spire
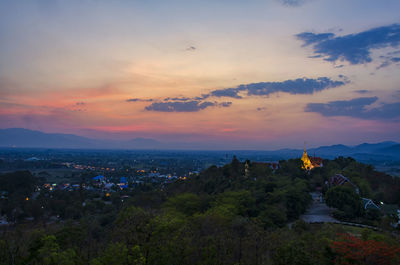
[306,160]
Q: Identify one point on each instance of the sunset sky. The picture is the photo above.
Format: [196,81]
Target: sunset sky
[256,74]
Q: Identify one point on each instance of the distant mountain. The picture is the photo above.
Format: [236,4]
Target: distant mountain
[368,148]
[363,152]
[333,149]
[23,138]
[393,149]
[18,137]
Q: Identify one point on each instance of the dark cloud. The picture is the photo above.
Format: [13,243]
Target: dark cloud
[139,100]
[202,97]
[226,92]
[354,48]
[393,53]
[185,106]
[362,91]
[80,103]
[191,48]
[177,99]
[310,38]
[356,108]
[315,56]
[225,104]
[388,61]
[179,106]
[292,2]
[353,107]
[296,86]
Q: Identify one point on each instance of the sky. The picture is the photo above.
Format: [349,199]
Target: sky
[230,74]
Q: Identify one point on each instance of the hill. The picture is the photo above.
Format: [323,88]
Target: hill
[23,138]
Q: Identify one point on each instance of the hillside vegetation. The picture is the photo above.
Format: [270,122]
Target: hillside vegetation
[224,215]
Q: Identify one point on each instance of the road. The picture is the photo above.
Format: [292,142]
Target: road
[318,212]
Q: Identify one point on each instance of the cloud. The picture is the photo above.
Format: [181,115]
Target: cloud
[394,53]
[139,100]
[356,108]
[362,91]
[177,99]
[191,48]
[197,103]
[179,106]
[353,48]
[225,104]
[388,60]
[296,86]
[227,92]
[310,38]
[187,106]
[202,97]
[80,103]
[292,2]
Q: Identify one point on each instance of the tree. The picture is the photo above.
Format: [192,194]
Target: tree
[119,254]
[50,253]
[353,250]
[344,199]
[4,253]
[133,226]
[186,203]
[292,253]
[272,216]
[235,164]
[296,202]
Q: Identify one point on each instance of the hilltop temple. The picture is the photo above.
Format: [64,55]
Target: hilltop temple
[310,162]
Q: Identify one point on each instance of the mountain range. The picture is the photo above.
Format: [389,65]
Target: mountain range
[24,138]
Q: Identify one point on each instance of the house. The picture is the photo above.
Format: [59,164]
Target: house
[369,204]
[340,180]
[98,178]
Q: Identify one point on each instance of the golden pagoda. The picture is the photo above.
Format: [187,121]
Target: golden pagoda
[310,163]
[307,165]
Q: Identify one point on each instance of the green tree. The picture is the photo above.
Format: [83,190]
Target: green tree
[50,253]
[186,203]
[134,226]
[292,253]
[272,216]
[344,199]
[119,254]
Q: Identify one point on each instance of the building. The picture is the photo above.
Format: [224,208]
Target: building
[369,204]
[340,180]
[310,162]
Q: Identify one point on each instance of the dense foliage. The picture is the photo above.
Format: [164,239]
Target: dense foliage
[226,215]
